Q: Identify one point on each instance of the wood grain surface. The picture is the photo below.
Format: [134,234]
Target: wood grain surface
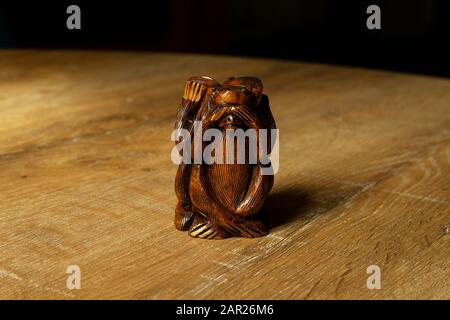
[86,179]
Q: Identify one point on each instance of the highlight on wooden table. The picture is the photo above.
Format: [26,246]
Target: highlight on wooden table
[359,207]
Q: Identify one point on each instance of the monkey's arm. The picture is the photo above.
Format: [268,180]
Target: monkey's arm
[196,93]
[253,200]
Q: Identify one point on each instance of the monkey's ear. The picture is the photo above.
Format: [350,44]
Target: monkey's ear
[196,91]
[265,114]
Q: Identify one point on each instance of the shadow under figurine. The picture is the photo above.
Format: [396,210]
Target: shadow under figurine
[221,200]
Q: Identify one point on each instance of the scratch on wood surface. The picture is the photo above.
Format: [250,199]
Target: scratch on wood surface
[376,246]
[341,278]
[8,274]
[228,265]
[370,185]
[11,275]
[209,282]
[386,260]
[415,196]
[239,261]
[218,279]
[61,141]
[270,235]
[36,285]
[310,291]
[340,181]
[242,257]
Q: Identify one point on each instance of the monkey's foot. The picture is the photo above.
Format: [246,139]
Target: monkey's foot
[249,229]
[183,216]
[205,229]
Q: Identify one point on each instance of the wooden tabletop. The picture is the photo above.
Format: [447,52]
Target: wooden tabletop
[87,180]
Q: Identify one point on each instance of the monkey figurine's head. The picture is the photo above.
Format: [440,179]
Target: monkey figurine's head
[233,105]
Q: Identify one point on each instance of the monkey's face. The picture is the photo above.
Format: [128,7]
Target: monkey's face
[232,107]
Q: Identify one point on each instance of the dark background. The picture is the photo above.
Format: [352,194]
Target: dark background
[414,37]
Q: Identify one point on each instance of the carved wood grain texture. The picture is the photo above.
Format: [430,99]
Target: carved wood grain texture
[86,179]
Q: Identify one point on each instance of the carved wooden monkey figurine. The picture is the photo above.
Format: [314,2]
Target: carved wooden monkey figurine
[220,200]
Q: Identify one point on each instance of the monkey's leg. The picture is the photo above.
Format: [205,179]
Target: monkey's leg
[183,211]
[258,224]
[183,216]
